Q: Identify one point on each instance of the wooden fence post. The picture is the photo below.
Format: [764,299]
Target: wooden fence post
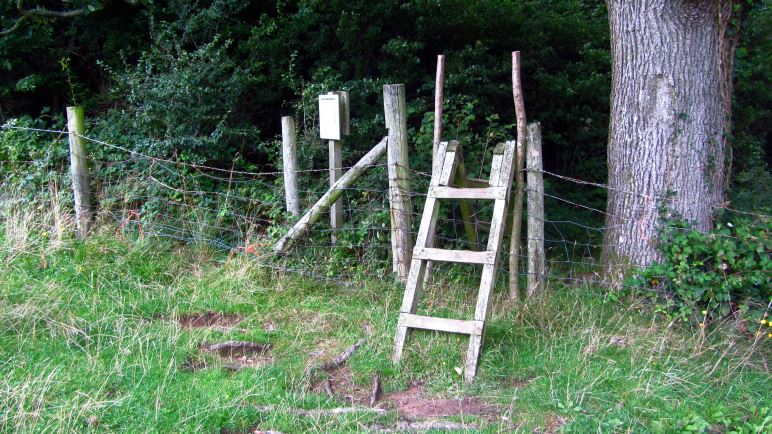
[401,208]
[536,261]
[517,206]
[76,125]
[290,165]
[336,171]
[333,124]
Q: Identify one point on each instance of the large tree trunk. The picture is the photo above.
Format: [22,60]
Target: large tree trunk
[670,106]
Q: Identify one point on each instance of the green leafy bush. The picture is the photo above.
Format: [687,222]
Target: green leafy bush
[708,275]
[181,102]
[30,159]
[757,420]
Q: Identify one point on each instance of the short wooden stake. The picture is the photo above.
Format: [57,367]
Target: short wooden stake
[76,125]
[439,92]
[336,171]
[401,208]
[290,165]
[536,262]
[467,212]
[438,102]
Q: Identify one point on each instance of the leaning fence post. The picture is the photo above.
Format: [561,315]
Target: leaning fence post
[323,204]
[536,266]
[290,165]
[401,208]
[76,125]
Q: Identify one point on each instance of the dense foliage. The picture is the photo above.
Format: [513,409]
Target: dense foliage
[203,80]
[186,74]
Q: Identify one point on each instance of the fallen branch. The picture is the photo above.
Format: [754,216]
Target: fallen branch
[401,426]
[341,358]
[321,412]
[335,363]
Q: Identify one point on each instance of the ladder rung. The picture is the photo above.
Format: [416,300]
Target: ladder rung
[489,193]
[469,327]
[462,256]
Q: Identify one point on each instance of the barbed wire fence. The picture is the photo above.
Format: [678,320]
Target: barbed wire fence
[241,212]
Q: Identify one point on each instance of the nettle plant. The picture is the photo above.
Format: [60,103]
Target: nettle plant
[709,275]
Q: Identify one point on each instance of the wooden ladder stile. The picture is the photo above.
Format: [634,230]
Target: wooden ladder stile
[498,190]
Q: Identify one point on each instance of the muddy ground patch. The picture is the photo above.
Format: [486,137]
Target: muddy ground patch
[231,355]
[215,320]
[413,404]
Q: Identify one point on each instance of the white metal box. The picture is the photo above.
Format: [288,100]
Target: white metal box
[333,115]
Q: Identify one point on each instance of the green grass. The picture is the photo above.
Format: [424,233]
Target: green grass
[87,343]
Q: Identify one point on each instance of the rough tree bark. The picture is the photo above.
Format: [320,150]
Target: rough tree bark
[670,108]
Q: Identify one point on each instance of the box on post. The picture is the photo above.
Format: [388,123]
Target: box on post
[333,115]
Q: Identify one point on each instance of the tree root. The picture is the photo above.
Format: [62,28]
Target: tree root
[335,363]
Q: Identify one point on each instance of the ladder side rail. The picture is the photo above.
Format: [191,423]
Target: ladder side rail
[502,177]
[447,161]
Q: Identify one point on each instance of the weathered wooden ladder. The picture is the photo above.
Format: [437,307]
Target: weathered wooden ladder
[497,189]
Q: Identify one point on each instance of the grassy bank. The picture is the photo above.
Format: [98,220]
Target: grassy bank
[94,337]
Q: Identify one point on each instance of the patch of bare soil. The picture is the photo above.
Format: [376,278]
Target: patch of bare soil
[233,355]
[412,404]
[209,320]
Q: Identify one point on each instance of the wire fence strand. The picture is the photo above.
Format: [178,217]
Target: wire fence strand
[241,212]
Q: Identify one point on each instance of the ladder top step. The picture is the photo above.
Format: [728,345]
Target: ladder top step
[461,256]
[468,327]
[490,193]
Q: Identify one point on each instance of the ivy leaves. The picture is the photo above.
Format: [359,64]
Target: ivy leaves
[712,272]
